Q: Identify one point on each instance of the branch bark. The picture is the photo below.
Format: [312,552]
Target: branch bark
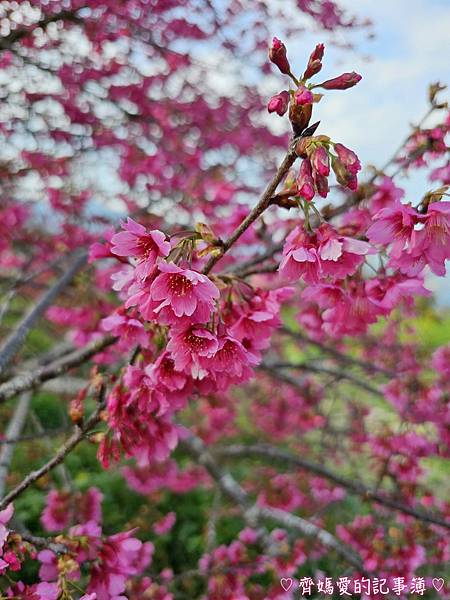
[257,211]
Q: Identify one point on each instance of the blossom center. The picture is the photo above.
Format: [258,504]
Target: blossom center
[179,285]
[146,246]
[195,342]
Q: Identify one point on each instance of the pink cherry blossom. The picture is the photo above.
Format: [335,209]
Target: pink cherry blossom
[394,225]
[188,346]
[145,246]
[321,255]
[433,241]
[300,258]
[183,293]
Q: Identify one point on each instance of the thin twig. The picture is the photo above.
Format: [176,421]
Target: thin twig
[340,356]
[257,211]
[275,369]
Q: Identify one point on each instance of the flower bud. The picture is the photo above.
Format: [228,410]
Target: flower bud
[343,175]
[321,184]
[321,161]
[305,182]
[303,96]
[315,62]
[343,82]
[348,158]
[277,55]
[279,103]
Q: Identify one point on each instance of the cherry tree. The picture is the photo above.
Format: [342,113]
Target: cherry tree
[216,320]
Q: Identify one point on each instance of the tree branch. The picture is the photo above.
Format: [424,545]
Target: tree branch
[28,380]
[274,370]
[257,211]
[78,435]
[266,451]
[253,513]
[18,336]
[12,432]
[340,356]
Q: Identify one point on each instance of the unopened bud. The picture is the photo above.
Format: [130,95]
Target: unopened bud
[205,232]
[343,82]
[343,175]
[321,184]
[279,103]
[320,161]
[277,55]
[314,62]
[348,158]
[305,182]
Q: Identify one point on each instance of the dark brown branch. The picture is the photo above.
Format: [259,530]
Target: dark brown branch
[257,211]
[266,451]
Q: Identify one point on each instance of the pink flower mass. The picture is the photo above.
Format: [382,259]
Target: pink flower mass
[322,255]
[225,354]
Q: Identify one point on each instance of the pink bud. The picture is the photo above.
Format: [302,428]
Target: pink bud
[343,175]
[348,158]
[279,103]
[315,61]
[321,184]
[321,161]
[343,82]
[305,182]
[277,55]
[303,96]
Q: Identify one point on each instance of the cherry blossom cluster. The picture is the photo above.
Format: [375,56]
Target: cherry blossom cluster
[212,333]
